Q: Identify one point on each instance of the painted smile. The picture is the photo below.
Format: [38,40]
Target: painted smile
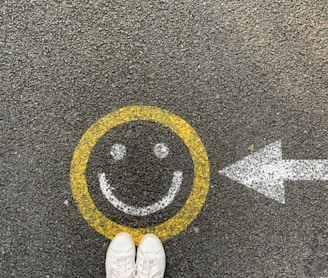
[118,152]
[107,190]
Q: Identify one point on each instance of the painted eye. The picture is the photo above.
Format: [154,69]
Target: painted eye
[118,151]
[161,150]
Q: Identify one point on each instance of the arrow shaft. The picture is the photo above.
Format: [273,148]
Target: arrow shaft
[304,169]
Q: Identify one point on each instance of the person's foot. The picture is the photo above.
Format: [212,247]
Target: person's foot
[150,258]
[120,257]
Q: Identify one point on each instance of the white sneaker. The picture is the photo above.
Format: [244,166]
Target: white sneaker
[120,257]
[150,258]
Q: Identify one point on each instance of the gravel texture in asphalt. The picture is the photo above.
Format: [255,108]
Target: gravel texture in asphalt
[240,73]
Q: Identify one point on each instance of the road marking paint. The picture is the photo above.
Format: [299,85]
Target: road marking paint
[161,150]
[182,129]
[265,171]
[118,151]
[141,211]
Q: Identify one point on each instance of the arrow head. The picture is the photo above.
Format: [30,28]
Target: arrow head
[261,171]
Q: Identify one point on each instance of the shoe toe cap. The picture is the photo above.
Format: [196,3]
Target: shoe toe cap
[122,242]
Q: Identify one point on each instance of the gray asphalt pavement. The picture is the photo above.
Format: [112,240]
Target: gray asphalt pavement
[241,73]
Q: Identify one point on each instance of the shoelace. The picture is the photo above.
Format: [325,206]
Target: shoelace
[148,267]
[122,268]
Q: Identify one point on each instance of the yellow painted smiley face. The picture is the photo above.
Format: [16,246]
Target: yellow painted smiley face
[182,129]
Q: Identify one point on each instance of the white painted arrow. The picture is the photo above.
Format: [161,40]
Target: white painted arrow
[265,171]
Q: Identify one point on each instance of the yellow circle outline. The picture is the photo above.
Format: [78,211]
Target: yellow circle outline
[195,201]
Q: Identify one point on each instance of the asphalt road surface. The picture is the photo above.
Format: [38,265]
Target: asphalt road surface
[241,74]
